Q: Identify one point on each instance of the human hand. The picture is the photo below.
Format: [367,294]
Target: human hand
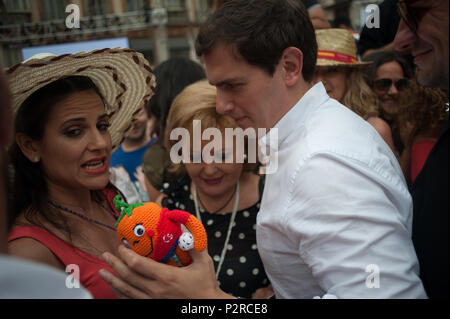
[140,176]
[142,277]
[264,293]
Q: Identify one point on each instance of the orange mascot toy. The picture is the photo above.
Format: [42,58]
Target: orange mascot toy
[155,232]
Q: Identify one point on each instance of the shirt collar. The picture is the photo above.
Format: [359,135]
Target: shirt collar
[294,118]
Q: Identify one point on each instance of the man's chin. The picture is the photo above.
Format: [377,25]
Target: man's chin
[433,77]
[426,79]
[136,138]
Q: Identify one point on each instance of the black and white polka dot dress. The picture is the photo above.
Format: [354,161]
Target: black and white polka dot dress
[242,271]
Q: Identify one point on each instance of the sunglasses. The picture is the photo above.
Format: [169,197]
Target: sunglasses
[407,15]
[385,84]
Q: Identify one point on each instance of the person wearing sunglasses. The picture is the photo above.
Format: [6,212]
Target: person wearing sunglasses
[387,84]
[389,75]
[423,32]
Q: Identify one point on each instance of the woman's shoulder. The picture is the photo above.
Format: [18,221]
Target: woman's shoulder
[379,124]
[32,249]
[384,130]
[382,127]
[34,240]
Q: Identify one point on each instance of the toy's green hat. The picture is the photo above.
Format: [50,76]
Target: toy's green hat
[125,208]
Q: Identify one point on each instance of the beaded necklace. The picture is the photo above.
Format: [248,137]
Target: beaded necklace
[91,220]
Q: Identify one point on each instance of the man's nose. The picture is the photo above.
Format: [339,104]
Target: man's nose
[404,38]
[224,104]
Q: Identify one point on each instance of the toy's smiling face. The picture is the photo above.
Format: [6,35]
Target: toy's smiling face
[138,231]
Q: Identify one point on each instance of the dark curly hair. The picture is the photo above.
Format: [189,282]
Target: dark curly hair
[423,108]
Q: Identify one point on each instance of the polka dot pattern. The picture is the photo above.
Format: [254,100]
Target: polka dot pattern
[242,271]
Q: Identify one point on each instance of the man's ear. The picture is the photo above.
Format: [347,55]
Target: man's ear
[292,65]
[29,147]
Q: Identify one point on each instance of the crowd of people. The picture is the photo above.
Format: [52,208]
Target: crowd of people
[362,159]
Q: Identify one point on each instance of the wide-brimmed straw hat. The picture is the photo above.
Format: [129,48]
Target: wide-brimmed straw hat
[123,77]
[337,47]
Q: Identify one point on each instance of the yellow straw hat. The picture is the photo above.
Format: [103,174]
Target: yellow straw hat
[337,47]
[123,77]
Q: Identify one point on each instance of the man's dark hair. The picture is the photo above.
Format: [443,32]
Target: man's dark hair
[261,30]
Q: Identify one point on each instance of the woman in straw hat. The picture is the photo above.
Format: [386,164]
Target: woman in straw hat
[71,111]
[341,74]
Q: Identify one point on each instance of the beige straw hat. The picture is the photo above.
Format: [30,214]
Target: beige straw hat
[123,77]
[337,47]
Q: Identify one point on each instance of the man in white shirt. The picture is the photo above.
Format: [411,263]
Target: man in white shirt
[342,223]
[335,218]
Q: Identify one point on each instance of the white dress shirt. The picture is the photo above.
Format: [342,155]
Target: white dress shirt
[336,216]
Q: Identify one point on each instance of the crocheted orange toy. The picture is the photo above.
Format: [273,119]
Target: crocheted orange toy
[155,232]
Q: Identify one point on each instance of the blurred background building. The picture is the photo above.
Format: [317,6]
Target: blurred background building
[347,13]
[157,28]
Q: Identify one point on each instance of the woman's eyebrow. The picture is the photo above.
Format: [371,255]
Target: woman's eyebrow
[78,119]
[82,119]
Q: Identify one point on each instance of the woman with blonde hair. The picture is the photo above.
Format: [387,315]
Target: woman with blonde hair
[341,74]
[222,191]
